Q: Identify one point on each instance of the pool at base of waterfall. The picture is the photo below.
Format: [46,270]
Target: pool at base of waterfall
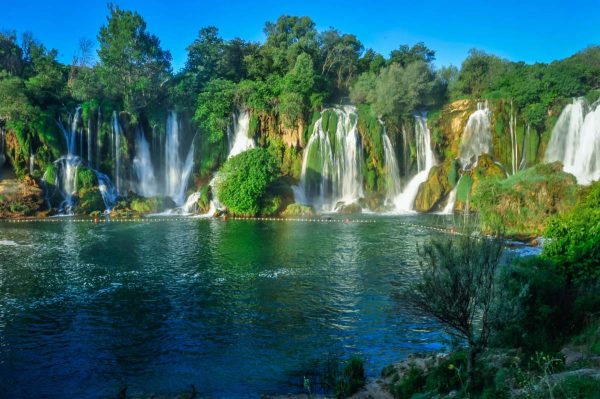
[237,308]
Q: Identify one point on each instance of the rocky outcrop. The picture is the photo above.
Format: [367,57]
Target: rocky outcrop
[143,205]
[447,126]
[295,210]
[437,186]
[21,198]
[348,209]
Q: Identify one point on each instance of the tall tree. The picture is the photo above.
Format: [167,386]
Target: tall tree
[287,38]
[405,54]
[133,67]
[341,55]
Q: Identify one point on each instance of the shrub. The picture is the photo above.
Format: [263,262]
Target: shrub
[412,382]
[536,307]
[243,181]
[352,378]
[574,237]
[524,202]
[85,178]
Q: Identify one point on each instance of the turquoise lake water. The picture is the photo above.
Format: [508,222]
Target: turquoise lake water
[237,308]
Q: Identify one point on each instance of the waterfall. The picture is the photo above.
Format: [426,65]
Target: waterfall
[65,176]
[98,137]
[190,203]
[71,134]
[477,136]
[66,173]
[31,163]
[405,201]
[177,173]
[107,190]
[89,141]
[449,208]
[142,167]
[392,172]
[238,134]
[512,124]
[523,163]
[575,140]
[66,181]
[117,159]
[332,164]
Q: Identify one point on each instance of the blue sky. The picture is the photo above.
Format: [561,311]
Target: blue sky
[531,31]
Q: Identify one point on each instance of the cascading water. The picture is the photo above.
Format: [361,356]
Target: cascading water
[65,175]
[575,140]
[449,208]
[177,173]
[31,163]
[238,134]
[392,172]
[523,163]
[332,164]
[512,124]
[142,167]
[405,201]
[117,152]
[477,135]
[89,142]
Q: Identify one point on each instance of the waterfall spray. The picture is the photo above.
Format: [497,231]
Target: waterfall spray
[477,136]
[332,164]
[404,202]
[390,166]
[142,166]
[575,140]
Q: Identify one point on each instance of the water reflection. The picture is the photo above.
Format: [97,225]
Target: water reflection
[236,308]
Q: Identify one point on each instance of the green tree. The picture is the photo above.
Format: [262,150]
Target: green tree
[479,71]
[457,286]
[399,91]
[406,55]
[133,67]
[287,38]
[215,104]
[341,56]
[243,180]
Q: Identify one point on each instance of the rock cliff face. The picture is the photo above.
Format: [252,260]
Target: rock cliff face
[514,146]
[21,198]
[435,189]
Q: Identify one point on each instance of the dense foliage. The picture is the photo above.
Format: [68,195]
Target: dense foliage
[574,237]
[243,181]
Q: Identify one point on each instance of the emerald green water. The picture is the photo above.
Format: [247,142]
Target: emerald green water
[237,308]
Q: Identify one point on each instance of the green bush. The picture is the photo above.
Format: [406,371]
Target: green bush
[579,388]
[352,378]
[412,382]
[449,375]
[243,181]
[524,202]
[536,307]
[85,178]
[574,237]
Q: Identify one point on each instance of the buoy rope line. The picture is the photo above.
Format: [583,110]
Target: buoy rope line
[173,219]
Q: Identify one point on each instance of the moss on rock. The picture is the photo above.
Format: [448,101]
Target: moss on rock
[522,203]
[295,210]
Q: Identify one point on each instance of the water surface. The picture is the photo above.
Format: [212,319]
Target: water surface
[237,308]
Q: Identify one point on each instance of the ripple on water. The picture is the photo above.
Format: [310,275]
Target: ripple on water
[236,308]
